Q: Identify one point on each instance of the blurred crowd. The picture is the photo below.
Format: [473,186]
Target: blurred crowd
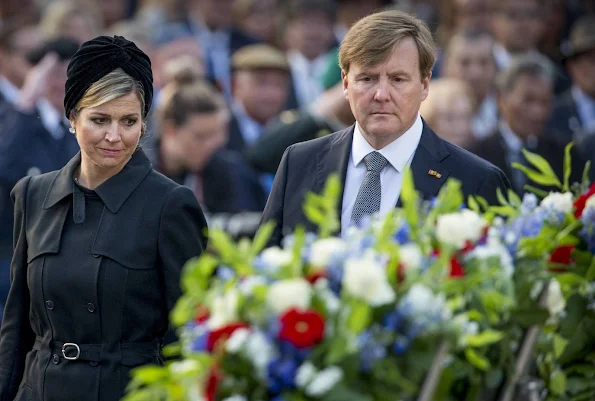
[237,81]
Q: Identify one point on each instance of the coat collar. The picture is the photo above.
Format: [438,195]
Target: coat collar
[112,192]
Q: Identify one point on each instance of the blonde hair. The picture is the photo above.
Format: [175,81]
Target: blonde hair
[371,40]
[443,91]
[112,86]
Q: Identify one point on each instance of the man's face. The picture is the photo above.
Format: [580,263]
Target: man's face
[385,98]
[55,85]
[13,63]
[527,107]
[472,14]
[517,25]
[262,92]
[581,70]
[472,60]
[310,34]
[216,14]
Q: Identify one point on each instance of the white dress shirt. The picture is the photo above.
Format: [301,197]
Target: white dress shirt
[52,119]
[585,106]
[9,91]
[307,76]
[399,154]
[250,129]
[485,120]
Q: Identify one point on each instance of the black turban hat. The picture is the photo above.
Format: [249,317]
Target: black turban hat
[100,56]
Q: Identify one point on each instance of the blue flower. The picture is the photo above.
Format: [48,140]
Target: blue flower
[370,350]
[402,236]
[392,321]
[225,273]
[401,345]
[529,203]
[200,342]
[334,273]
[588,231]
[281,373]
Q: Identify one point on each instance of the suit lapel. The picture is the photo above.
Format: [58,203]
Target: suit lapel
[428,172]
[333,159]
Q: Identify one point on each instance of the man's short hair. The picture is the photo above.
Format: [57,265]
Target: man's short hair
[530,64]
[371,40]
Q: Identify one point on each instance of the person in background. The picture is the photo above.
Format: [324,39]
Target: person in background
[35,138]
[448,109]
[99,244]
[573,115]
[260,87]
[192,120]
[469,57]
[525,94]
[67,18]
[307,36]
[329,113]
[461,15]
[257,19]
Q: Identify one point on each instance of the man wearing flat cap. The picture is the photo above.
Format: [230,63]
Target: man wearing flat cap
[573,115]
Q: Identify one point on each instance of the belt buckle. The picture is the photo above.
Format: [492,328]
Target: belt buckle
[71,358]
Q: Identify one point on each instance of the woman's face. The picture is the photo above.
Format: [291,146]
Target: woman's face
[200,137]
[452,120]
[108,134]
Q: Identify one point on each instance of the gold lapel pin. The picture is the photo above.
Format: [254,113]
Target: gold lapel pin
[434,173]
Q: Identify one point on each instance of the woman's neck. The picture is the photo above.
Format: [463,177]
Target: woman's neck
[90,175]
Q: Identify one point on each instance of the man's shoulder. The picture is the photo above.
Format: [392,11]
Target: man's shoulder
[466,161]
[321,143]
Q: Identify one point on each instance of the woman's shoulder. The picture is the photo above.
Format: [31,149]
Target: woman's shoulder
[164,187]
[34,185]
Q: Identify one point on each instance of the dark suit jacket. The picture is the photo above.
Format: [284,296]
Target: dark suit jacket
[117,308]
[235,141]
[306,166]
[494,150]
[564,121]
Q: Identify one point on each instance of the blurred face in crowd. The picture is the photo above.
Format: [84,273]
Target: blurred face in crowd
[527,107]
[184,46]
[112,11]
[311,34]
[581,69]
[56,81]
[471,14]
[260,23]
[13,63]
[79,28]
[216,14]
[517,24]
[472,60]
[451,119]
[108,135]
[385,98]
[262,92]
[195,141]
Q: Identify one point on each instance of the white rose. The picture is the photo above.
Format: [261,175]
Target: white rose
[411,256]
[331,301]
[247,285]
[305,373]
[322,251]
[237,340]
[422,303]
[366,279]
[259,351]
[276,256]
[457,228]
[324,381]
[236,398]
[494,248]
[561,202]
[554,301]
[224,309]
[286,294]
[590,204]
[184,368]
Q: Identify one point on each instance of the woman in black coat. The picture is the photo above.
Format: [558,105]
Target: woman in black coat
[98,245]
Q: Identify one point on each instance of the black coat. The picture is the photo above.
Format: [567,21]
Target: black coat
[306,166]
[564,124]
[111,296]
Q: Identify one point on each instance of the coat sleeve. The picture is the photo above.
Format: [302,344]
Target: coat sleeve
[16,335]
[489,187]
[182,236]
[274,207]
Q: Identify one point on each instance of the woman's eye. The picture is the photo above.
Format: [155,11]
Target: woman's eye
[100,120]
[129,122]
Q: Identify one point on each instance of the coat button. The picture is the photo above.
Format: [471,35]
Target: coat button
[90,307]
[55,359]
[95,255]
[49,305]
[93,363]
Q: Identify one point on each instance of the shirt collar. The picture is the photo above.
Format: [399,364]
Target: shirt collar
[513,142]
[112,192]
[249,126]
[398,153]
[51,119]
[580,97]
[9,91]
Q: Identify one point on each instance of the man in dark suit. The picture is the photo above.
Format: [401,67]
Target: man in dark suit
[386,61]
[573,115]
[525,92]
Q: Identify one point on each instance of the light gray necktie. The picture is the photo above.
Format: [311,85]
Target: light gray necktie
[370,193]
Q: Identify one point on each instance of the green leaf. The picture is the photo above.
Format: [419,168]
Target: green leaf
[558,382]
[150,374]
[504,210]
[473,205]
[184,310]
[477,360]
[262,237]
[587,171]
[409,198]
[485,338]
[539,192]
[501,198]
[341,392]
[542,165]
[537,177]
[515,200]
[560,344]
[590,276]
[360,317]
[567,166]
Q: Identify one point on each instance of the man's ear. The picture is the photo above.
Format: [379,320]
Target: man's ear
[345,83]
[426,86]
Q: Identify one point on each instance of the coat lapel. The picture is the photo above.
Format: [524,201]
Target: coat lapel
[428,172]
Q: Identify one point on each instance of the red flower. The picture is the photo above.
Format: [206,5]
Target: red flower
[561,255]
[302,329]
[315,276]
[456,269]
[222,334]
[468,247]
[212,384]
[579,204]
[202,314]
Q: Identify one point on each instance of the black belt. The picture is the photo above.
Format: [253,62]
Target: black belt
[131,353]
